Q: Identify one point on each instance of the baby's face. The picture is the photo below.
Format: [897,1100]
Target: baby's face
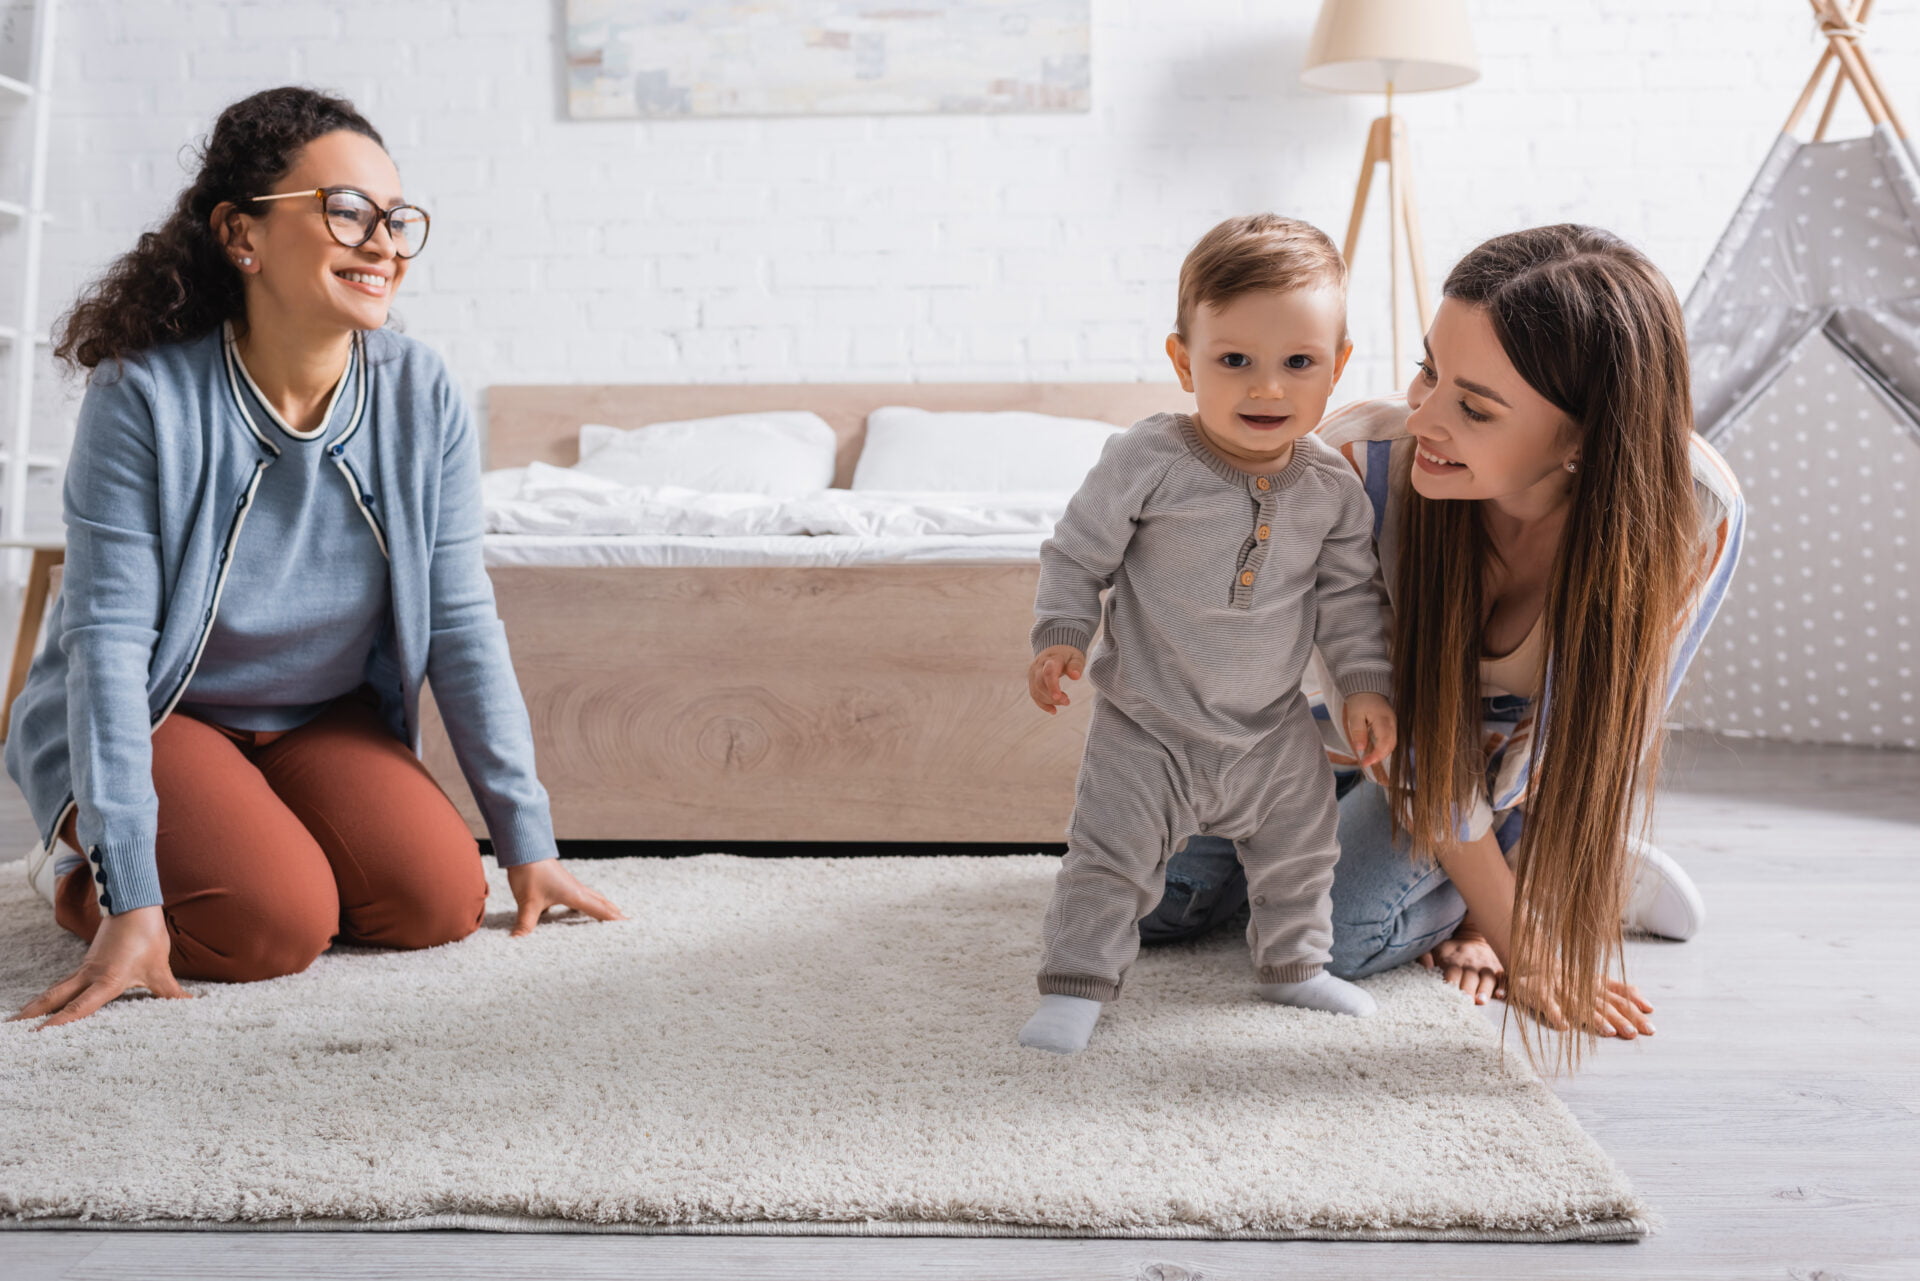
[1261,368]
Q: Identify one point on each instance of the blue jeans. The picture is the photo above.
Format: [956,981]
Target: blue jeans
[1388,908]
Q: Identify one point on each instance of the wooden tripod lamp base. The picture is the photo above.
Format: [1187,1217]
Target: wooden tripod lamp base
[1375,46]
[1387,144]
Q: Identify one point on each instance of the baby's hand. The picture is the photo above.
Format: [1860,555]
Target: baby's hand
[1043,678]
[1371,728]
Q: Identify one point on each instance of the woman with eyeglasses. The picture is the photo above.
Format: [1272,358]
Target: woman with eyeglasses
[273,542]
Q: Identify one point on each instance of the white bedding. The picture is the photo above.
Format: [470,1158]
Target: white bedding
[826,551]
[560,501]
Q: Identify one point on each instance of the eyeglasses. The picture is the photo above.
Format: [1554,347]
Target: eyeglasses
[352,217]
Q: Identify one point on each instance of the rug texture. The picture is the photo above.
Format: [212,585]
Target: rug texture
[784,1046]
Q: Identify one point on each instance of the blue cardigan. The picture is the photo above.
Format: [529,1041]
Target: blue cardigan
[166,458]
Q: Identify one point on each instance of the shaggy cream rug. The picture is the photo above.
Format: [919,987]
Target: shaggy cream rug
[780,1046]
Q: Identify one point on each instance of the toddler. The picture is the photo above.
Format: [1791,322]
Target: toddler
[1233,543]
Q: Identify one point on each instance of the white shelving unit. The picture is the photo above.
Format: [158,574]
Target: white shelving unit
[22,239]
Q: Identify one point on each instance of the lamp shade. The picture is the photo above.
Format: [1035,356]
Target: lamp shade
[1360,45]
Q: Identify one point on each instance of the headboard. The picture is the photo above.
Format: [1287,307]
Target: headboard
[542,424]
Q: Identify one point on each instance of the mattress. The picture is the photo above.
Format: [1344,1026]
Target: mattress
[675,551]
[555,516]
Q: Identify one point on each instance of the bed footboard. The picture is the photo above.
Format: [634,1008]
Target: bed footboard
[882,703]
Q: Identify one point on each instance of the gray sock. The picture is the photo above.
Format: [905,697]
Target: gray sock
[1322,992]
[1062,1024]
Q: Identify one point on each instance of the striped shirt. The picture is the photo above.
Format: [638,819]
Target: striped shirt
[1223,583]
[1372,436]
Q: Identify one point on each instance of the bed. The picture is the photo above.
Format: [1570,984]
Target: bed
[781,688]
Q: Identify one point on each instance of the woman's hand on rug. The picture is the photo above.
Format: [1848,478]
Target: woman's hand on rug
[1371,728]
[1043,676]
[1467,961]
[539,886]
[128,951]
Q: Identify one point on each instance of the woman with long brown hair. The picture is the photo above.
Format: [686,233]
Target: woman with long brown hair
[273,543]
[1554,541]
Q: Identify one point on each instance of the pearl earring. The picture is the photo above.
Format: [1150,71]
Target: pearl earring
[1572,466]
[246,262]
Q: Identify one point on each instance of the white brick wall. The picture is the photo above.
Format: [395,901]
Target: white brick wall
[938,248]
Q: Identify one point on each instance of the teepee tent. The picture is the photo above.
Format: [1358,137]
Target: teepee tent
[1805,339]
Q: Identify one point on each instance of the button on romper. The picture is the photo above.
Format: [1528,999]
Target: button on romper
[1220,585]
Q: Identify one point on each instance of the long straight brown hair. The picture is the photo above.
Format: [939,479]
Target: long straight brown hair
[1595,328]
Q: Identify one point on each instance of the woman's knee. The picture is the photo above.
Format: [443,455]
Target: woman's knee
[421,915]
[1358,946]
[1205,887]
[1388,906]
[1354,956]
[235,941]
[428,928]
[1370,938]
[406,865]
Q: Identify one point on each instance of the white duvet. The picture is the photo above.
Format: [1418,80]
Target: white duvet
[541,499]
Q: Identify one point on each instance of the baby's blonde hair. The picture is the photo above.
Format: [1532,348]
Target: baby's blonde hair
[1254,253]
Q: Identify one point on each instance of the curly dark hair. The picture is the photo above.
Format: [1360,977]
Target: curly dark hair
[176,283]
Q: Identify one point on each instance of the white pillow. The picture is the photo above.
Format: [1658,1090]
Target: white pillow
[918,450]
[785,452]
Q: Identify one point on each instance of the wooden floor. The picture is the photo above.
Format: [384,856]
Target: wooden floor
[1774,1121]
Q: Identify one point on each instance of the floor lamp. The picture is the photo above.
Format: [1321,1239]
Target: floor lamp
[1392,46]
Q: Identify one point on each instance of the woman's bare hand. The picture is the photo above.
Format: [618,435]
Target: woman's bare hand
[1043,676]
[1467,961]
[129,951]
[539,886]
[1619,1010]
[1626,1009]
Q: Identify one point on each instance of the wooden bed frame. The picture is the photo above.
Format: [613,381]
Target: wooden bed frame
[869,703]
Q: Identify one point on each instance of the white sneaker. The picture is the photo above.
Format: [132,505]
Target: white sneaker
[1664,902]
[40,871]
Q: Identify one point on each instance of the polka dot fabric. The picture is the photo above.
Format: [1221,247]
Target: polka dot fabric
[1816,638]
[1805,337]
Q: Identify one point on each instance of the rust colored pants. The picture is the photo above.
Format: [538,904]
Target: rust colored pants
[271,845]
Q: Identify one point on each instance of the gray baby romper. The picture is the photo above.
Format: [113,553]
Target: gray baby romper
[1222,583]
